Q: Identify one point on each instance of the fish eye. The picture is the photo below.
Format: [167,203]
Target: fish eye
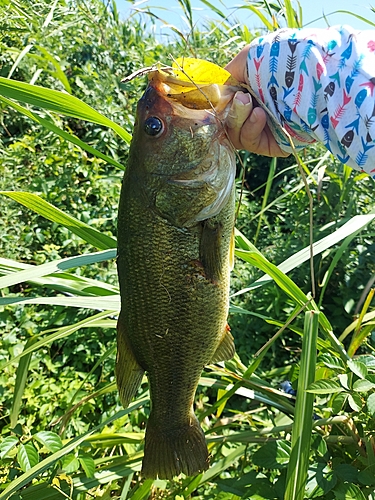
[153,126]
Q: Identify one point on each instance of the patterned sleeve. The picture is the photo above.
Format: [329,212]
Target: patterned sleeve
[319,85]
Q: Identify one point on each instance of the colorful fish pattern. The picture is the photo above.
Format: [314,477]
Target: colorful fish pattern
[320,86]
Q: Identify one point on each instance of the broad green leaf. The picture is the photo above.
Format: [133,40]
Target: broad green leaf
[303,415]
[345,380]
[7,445]
[363,385]
[332,361]
[346,472]
[273,455]
[355,402]
[48,462]
[325,386]
[367,360]
[367,477]
[27,456]
[118,469]
[347,491]
[339,401]
[70,463]
[371,404]
[49,439]
[59,102]
[41,207]
[357,368]
[87,464]
[321,480]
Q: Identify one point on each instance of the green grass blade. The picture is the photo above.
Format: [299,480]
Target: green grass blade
[143,491]
[340,251]
[60,132]
[255,258]
[20,56]
[59,102]
[270,178]
[48,462]
[21,379]
[222,464]
[34,272]
[110,303]
[58,73]
[303,416]
[361,18]
[214,8]
[41,207]
[361,333]
[261,16]
[99,362]
[353,226]
[61,281]
[290,15]
[95,321]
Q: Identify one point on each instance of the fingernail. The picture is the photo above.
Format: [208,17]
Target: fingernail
[242,98]
[239,111]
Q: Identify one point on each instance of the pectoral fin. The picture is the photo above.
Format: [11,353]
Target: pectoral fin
[128,372]
[226,349]
[210,250]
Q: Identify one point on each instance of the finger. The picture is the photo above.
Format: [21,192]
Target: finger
[252,135]
[240,110]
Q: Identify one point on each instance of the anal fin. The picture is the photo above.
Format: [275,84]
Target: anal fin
[128,372]
[226,349]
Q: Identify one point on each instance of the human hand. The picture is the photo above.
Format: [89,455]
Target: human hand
[247,125]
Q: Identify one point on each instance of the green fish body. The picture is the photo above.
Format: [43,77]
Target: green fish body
[175,225]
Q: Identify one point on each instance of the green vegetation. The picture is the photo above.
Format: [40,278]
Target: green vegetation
[63,432]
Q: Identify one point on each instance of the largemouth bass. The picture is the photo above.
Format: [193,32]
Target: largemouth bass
[175,225]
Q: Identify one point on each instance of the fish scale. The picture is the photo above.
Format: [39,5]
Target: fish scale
[173,269]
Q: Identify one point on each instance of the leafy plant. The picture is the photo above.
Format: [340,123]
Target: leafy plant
[64,434]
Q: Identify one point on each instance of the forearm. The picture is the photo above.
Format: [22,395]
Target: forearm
[319,86]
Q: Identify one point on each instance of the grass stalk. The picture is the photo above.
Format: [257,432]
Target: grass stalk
[303,417]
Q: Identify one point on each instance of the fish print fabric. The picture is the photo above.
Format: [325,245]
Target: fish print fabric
[320,86]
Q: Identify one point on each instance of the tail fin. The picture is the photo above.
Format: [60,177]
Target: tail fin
[170,451]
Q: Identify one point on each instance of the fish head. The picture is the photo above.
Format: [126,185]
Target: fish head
[183,160]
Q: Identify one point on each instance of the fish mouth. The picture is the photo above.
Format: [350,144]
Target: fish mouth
[214,97]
